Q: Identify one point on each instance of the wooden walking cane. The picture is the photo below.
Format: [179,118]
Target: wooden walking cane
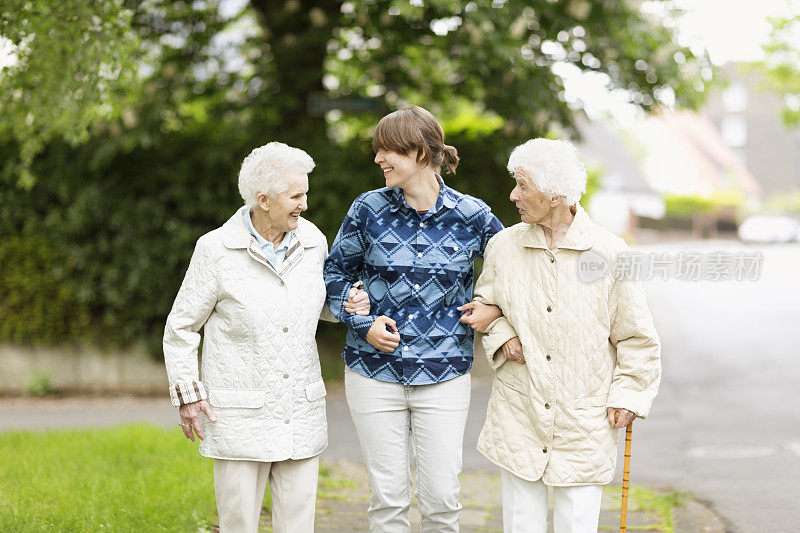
[626,474]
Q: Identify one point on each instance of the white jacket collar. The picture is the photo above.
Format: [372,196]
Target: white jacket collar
[235,234]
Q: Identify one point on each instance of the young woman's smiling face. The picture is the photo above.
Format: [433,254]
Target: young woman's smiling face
[396,168]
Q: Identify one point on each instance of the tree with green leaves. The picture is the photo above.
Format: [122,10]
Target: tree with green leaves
[781,64]
[64,59]
[137,133]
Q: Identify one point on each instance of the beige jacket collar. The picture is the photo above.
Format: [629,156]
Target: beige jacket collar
[580,234]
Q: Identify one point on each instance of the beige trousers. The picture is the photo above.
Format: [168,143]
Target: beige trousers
[240,485]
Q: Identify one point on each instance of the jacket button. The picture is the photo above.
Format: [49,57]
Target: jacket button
[286,330]
[548,357]
[552,259]
[286,421]
[286,376]
[549,309]
[544,450]
[547,406]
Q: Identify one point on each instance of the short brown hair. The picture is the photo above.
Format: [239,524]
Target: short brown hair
[415,129]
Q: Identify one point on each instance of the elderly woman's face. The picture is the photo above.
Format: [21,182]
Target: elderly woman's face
[284,209]
[533,206]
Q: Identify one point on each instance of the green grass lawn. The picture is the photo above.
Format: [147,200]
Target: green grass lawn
[145,478]
[130,478]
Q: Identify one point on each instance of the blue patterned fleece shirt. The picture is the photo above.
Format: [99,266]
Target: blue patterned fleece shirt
[417,269]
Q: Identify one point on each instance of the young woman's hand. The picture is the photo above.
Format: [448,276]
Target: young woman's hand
[381,338]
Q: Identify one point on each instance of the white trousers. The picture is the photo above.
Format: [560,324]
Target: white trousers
[240,486]
[434,416]
[575,509]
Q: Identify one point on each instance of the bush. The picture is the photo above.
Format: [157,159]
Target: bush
[97,248]
[686,206]
[38,383]
[37,302]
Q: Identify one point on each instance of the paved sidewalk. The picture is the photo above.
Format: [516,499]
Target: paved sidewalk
[342,505]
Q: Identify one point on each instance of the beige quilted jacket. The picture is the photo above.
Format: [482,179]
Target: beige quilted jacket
[587,346]
[260,367]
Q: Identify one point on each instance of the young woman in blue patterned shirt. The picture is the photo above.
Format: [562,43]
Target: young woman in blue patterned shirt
[413,244]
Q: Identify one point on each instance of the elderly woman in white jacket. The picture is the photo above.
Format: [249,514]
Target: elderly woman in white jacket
[574,346]
[255,285]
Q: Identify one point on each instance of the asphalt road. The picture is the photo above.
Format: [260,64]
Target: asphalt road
[726,424]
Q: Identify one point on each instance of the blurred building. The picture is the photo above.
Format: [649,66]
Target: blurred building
[685,154]
[677,154]
[748,118]
[624,193]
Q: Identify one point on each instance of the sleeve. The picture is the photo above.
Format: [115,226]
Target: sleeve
[489,344]
[326,314]
[491,227]
[342,268]
[638,372]
[193,305]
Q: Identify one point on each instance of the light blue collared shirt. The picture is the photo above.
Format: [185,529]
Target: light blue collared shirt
[274,256]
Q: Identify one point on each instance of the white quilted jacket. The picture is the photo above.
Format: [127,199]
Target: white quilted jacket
[260,366]
[587,346]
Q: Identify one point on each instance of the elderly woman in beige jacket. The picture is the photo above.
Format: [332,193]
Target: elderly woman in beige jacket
[574,346]
[255,287]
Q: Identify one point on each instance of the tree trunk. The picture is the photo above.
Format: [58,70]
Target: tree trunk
[298,33]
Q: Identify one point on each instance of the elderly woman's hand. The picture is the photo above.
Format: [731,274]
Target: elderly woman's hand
[512,350]
[189,414]
[479,315]
[625,417]
[357,302]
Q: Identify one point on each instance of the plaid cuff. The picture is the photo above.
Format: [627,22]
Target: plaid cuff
[187,392]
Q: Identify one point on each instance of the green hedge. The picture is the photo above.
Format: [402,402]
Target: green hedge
[97,249]
[36,301]
[682,206]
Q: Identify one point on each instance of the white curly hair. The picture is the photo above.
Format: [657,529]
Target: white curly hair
[265,169]
[552,165]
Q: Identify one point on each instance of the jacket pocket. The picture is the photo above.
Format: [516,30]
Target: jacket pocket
[315,390]
[504,375]
[251,399]
[590,401]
